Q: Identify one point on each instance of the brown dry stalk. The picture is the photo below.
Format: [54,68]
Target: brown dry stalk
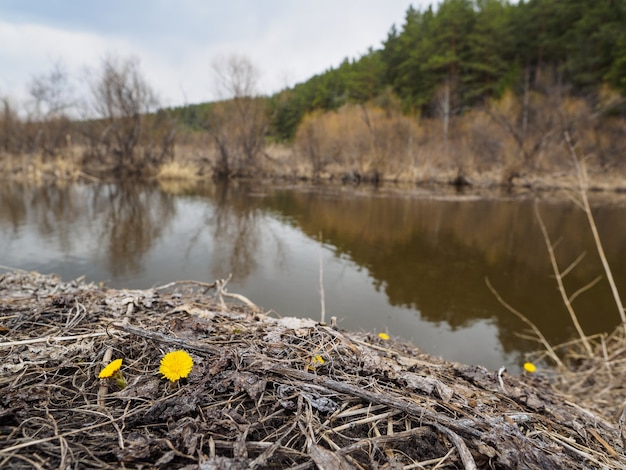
[49,339]
[389,399]
[559,279]
[461,447]
[536,330]
[581,173]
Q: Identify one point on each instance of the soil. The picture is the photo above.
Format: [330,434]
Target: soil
[264,392]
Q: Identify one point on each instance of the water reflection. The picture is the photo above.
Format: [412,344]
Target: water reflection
[131,220]
[433,255]
[413,265]
[115,223]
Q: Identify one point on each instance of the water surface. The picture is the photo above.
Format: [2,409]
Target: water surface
[413,264]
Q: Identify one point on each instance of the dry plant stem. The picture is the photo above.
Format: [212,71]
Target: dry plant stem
[582,182]
[466,455]
[603,442]
[437,462]
[585,455]
[262,459]
[35,442]
[559,280]
[392,400]
[102,390]
[159,337]
[48,339]
[322,296]
[221,292]
[533,327]
[584,288]
[197,283]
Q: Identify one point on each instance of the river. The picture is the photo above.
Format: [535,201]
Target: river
[412,263]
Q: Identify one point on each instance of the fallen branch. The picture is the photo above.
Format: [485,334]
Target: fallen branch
[50,339]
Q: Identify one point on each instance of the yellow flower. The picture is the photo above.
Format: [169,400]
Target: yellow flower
[530,367]
[176,365]
[318,360]
[384,336]
[111,368]
[112,371]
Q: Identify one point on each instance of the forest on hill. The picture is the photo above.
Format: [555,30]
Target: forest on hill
[464,52]
[467,91]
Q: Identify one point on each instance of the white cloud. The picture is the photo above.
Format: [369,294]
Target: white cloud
[288,41]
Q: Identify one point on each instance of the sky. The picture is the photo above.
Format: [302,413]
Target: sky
[176,41]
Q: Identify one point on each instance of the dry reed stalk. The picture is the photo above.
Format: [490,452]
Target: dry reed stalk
[581,174]
[551,353]
[322,296]
[559,275]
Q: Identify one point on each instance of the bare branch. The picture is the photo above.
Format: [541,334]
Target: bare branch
[581,172]
[559,280]
[532,326]
[574,263]
[584,289]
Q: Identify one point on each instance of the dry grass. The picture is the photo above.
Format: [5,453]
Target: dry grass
[177,170]
[264,392]
[505,143]
[37,168]
[594,382]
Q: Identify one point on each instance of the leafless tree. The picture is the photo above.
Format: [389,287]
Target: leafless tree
[443,97]
[235,77]
[10,128]
[52,100]
[52,92]
[124,104]
[238,122]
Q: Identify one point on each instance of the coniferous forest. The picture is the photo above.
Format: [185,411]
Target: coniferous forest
[467,52]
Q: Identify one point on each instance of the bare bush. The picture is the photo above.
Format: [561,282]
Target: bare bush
[238,123]
[52,100]
[536,121]
[126,130]
[11,129]
[364,142]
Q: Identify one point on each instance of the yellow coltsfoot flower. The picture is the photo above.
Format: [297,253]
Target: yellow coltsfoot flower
[316,361]
[530,367]
[113,371]
[176,365]
[110,369]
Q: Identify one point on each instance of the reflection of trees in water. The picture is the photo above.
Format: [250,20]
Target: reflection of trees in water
[132,218]
[238,230]
[13,205]
[433,256]
[236,233]
[127,219]
[50,209]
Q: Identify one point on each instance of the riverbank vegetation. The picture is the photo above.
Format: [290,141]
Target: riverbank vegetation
[468,92]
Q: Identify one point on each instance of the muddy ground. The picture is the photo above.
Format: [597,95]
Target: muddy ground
[264,392]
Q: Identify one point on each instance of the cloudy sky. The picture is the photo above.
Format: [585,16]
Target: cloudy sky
[177,40]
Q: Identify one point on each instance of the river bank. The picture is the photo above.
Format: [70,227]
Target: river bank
[286,164]
[264,392]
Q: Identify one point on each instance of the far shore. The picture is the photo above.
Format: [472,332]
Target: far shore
[280,165]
